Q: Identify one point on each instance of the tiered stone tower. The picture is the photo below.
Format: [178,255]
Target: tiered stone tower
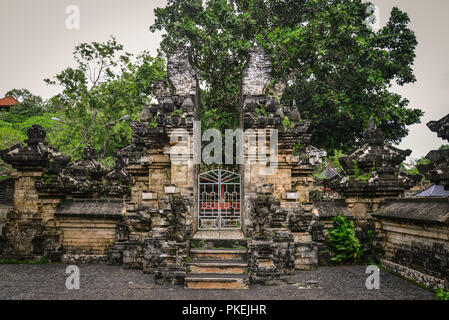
[438,169]
[371,174]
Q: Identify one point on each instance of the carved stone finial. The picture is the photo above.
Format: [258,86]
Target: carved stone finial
[372,134]
[441,127]
[89,152]
[146,114]
[175,106]
[117,182]
[37,154]
[187,105]
[295,116]
[35,135]
[160,89]
[277,91]
[167,105]
[256,75]
[83,178]
[181,74]
[437,171]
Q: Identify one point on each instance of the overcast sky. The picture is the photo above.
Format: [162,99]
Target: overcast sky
[36,44]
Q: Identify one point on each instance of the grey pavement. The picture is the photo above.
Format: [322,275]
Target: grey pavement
[105,282]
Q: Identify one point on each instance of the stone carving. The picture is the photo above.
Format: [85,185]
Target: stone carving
[260,217]
[277,91]
[174,109]
[180,73]
[152,250]
[160,90]
[257,74]
[301,221]
[314,155]
[172,269]
[441,127]
[373,169]
[83,178]
[118,181]
[284,252]
[176,217]
[261,104]
[19,237]
[36,152]
[438,170]
[140,220]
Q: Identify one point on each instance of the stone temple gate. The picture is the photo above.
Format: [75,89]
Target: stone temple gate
[215,229]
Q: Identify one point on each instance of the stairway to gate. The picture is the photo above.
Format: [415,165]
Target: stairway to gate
[218,264]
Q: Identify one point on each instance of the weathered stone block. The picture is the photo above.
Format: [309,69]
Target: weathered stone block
[149,196]
[290,196]
[170,190]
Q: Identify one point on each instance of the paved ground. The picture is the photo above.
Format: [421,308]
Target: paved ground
[111,282]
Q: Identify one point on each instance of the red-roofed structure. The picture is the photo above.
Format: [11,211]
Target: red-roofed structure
[7,103]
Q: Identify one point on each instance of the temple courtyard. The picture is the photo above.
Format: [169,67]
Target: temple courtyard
[48,281]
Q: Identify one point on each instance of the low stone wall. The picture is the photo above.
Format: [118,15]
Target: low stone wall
[88,229]
[415,238]
[85,236]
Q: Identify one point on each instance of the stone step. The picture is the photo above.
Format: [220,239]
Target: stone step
[218,267]
[219,244]
[219,254]
[216,282]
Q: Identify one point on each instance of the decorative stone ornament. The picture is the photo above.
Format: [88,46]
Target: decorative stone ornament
[437,171]
[373,169]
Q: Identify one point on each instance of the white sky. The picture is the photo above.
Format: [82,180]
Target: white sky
[35,44]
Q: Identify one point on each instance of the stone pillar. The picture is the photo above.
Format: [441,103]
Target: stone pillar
[277,210]
[160,214]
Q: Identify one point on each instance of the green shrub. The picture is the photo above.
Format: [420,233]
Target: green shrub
[442,295]
[343,243]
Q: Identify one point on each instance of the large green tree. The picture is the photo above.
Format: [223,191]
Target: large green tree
[106,88]
[337,68]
